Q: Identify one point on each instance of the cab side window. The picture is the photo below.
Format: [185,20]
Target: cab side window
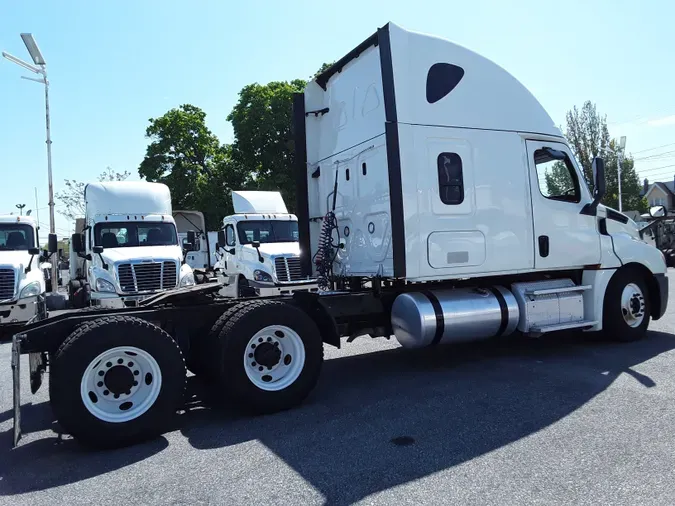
[229,235]
[556,175]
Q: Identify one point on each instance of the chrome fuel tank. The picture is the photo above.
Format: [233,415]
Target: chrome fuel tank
[431,317]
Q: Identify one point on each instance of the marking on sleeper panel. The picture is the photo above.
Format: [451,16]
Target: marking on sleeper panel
[440,319]
[504,310]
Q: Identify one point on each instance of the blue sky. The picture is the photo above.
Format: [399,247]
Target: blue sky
[114,65]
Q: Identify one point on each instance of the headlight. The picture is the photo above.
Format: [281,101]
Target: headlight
[103,285]
[259,275]
[187,280]
[30,290]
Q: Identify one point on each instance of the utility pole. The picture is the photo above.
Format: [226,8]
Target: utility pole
[40,68]
[622,146]
[20,208]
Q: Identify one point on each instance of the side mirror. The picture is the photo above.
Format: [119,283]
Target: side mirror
[34,251]
[188,246]
[657,211]
[191,237]
[52,243]
[77,243]
[255,244]
[600,186]
[221,238]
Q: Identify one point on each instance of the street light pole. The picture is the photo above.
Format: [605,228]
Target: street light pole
[622,146]
[20,208]
[40,68]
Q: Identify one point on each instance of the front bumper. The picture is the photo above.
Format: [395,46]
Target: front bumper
[271,289]
[17,314]
[659,307]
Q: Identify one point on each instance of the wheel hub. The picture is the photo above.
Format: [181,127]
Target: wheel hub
[121,384]
[119,379]
[274,358]
[633,305]
[267,354]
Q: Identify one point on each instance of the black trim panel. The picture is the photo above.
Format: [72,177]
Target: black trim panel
[322,79]
[662,281]
[440,319]
[617,216]
[504,310]
[602,226]
[301,185]
[393,153]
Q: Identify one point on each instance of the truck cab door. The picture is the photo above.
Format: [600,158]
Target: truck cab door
[230,251]
[564,237]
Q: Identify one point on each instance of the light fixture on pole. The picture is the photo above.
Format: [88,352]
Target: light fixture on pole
[40,68]
[20,208]
[622,146]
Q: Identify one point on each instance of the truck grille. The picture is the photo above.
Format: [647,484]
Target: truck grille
[147,277]
[288,269]
[7,284]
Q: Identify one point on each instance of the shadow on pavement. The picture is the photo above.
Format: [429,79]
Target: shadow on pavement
[387,418]
[375,421]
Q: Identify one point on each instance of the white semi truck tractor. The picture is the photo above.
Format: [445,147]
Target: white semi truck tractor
[126,248]
[22,281]
[259,249]
[423,210]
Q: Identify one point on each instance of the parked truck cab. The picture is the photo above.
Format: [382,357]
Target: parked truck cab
[22,281]
[128,247]
[258,246]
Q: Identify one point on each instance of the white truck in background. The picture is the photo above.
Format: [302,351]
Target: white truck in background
[126,248]
[203,257]
[258,250]
[424,211]
[22,281]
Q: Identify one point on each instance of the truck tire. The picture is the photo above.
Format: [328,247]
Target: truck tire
[116,380]
[626,309]
[204,357]
[271,355]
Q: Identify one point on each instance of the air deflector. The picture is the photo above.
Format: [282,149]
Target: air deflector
[442,78]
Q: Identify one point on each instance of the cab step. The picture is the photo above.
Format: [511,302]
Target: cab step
[544,329]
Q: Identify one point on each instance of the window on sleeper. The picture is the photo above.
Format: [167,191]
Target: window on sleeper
[450,178]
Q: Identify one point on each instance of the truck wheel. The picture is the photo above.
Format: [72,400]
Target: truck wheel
[116,380]
[271,355]
[204,358]
[626,308]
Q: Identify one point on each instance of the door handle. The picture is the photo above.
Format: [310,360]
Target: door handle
[543,245]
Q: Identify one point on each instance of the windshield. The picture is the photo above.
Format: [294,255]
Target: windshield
[267,231]
[16,237]
[128,234]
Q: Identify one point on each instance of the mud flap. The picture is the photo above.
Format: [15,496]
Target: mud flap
[16,386]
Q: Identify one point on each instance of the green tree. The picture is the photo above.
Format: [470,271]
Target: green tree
[72,196]
[186,156]
[589,137]
[262,121]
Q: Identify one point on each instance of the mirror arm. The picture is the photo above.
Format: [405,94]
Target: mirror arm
[105,265]
[30,263]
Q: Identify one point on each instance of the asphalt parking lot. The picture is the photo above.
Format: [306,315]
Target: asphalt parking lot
[552,421]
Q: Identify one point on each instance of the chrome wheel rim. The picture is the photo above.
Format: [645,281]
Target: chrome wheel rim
[633,305]
[274,358]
